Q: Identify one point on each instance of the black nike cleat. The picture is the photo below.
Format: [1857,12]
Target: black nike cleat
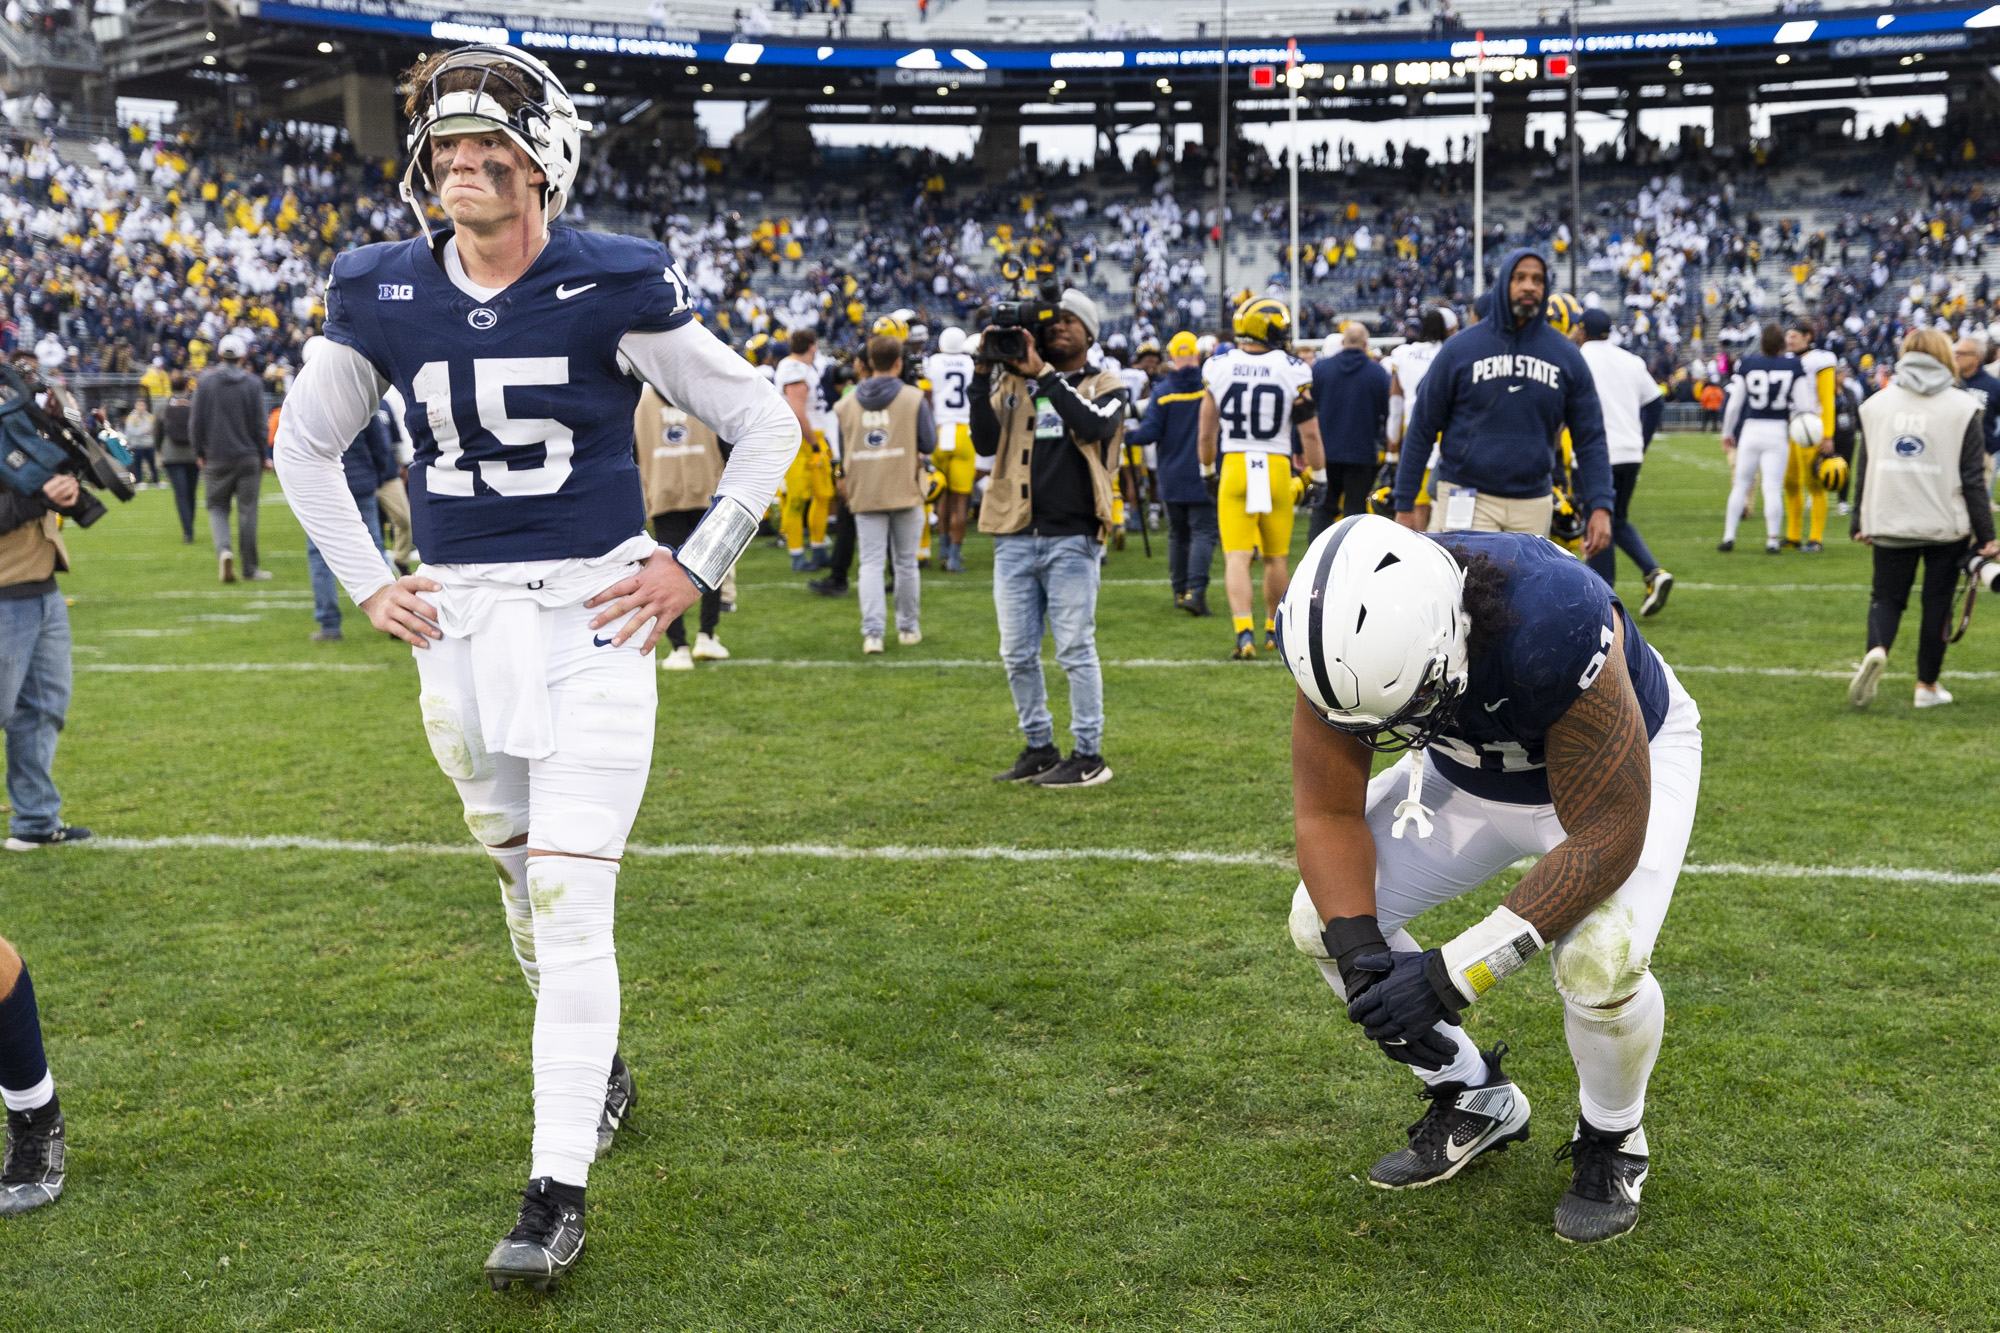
[1462,1123]
[32,1173]
[1726,545]
[546,1241]
[621,1094]
[1607,1171]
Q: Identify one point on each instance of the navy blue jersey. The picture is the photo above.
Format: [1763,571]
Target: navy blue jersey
[1768,382]
[1558,639]
[520,416]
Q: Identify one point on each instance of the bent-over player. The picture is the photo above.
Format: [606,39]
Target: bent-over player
[520,349]
[1537,723]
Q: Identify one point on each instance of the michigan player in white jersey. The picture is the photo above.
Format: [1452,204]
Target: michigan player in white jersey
[520,349]
[1256,392]
[949,371]
[1812,422]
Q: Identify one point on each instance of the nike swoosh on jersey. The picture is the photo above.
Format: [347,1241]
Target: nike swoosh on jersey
[1495,707]
[596,642]
[1516,388]
[564,293]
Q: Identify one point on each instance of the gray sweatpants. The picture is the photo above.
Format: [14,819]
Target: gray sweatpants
[877,533]
[242,480]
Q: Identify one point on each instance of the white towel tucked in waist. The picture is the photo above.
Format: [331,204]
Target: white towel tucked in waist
[1256,483]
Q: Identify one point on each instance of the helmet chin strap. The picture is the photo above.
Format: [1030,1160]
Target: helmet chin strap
[1411,809]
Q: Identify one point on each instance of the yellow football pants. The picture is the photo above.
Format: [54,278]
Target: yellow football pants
[808,495]
[1802,492]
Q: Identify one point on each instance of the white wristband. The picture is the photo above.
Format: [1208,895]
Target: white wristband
[1481,956]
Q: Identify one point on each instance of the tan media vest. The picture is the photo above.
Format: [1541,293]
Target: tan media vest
[33,552]
[1912,493]
[1009,505]
[680,460]
[880,459]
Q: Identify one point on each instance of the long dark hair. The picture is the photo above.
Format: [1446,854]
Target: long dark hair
[1484,600]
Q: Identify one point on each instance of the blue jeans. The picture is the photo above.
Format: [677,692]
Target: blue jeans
[34,699]
[1050,583]
[326,588]
[1192,536]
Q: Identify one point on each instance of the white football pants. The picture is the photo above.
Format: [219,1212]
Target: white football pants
[591,706]
[1603,960]
[1761,447]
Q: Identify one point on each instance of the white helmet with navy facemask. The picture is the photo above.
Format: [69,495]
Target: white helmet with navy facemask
[1374,631]
[543,123]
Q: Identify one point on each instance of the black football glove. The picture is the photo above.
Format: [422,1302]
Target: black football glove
[1399,1010]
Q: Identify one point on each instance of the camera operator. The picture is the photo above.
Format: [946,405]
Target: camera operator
[1919,495]
[1051,425]
[34,659]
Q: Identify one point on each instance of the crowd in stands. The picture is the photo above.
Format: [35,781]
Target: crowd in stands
[149,250]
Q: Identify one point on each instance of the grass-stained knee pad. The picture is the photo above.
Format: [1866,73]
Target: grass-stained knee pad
[1600,962]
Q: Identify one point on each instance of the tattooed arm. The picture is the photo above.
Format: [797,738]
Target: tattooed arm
[1601,775]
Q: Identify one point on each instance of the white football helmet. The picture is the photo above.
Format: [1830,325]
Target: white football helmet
[1807,430]
[544,126]
[952,341]
[1374,631]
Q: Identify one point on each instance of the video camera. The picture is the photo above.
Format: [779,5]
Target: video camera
[37,444]
[1022,316]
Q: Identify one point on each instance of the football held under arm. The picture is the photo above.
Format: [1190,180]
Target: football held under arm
[332,401]
[698,373]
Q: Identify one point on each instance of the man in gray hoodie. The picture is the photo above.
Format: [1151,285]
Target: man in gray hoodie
[226,427]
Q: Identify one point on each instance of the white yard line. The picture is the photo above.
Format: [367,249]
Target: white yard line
[155,668]
[1031,855]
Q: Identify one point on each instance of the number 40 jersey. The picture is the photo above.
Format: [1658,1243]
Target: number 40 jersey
[1256,394]
[520,406]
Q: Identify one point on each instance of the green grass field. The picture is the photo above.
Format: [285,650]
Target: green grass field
[960,1093]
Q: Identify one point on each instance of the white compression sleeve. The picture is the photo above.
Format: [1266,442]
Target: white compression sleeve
[330,402]
[698,373]
[576,1009]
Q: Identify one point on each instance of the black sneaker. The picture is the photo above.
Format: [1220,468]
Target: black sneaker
[1658,585]
[621,1094]
[1463,1122]
[1034,761]
[1607,1171]
[1079,770]
[828,586]
[32,1174]
[546,1241]
[28,842]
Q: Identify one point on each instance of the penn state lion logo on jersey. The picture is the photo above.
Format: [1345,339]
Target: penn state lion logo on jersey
[875,429]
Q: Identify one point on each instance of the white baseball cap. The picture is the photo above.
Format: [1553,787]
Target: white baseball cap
[232,347]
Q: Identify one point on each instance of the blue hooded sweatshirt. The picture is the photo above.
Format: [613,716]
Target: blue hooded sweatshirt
[1173,423]
[1353,397]
[1500,395]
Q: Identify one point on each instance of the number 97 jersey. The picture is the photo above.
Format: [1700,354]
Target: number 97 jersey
[519,408]
[1256,394]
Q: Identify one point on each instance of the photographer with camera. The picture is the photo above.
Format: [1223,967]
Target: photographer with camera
[34,659]
[1051,425]
[1920,495]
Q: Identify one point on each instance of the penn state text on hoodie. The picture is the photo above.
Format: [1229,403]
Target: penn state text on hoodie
[1500,393]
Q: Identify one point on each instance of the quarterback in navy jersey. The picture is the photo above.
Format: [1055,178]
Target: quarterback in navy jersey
[1536,722]
[518,351]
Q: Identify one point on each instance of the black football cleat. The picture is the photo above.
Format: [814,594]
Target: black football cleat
[32,1172]
[1726,545]
[546,1241]
[1463,1122]
[621,1094]
[1607,1170]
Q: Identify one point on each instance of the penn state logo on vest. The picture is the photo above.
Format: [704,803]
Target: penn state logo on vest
[875,429]
[677,433]
[482,318]
[1908,446]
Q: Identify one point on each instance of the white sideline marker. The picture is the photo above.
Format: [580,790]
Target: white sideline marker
[1029,855]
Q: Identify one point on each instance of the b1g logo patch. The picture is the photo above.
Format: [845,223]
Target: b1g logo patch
[396,291]
[1908,446]
[482,318]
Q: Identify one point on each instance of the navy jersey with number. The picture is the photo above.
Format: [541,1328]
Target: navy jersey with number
[1558,639]
[1768,382]
[519,413]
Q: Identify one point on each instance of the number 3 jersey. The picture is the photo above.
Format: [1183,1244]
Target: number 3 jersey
[519,407]
[1557,636]
[1255,393]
